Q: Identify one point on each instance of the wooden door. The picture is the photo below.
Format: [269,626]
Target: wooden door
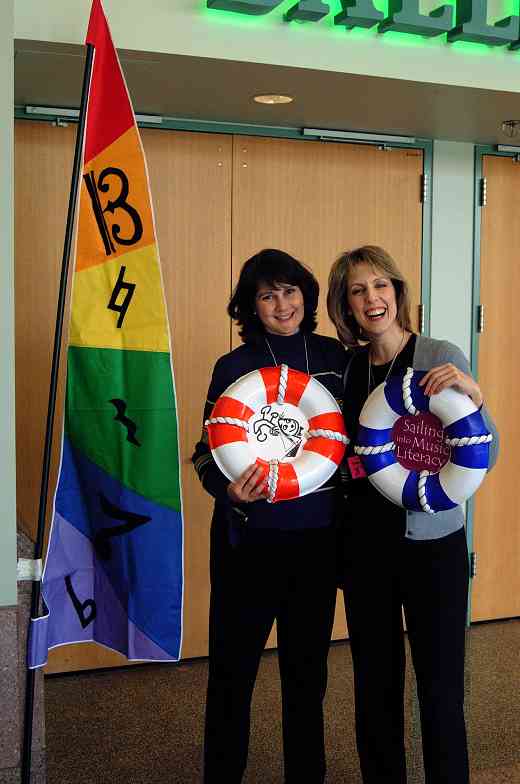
[43,162]
[191,184]
[317,199]
[496,539]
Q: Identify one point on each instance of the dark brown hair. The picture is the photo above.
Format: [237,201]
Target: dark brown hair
[271,267]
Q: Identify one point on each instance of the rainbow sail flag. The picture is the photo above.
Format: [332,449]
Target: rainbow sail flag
[114,566]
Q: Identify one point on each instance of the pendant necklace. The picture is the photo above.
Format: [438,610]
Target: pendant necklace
[370,379]
[306,354]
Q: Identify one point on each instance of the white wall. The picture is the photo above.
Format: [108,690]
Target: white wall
[7,450]
[188,27]
[452,243]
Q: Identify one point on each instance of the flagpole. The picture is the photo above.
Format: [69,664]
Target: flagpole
[38,547]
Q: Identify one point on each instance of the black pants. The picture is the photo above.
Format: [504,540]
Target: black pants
[383,573]
[290,577]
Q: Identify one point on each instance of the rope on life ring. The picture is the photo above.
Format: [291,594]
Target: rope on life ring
[272,481]
[469,441]
[464,433]
[374,450]
[327,434]
[282,384]
[407,395]
[421,492]
[322,440]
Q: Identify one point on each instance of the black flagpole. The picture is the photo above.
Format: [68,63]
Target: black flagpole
[38,547]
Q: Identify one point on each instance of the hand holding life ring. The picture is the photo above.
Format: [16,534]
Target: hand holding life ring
[249,487]
[450,376]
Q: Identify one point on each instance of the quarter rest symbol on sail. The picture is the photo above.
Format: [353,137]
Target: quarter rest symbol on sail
[130,425]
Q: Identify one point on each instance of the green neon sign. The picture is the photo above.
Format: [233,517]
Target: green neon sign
[358,13]
[404,16]
[472,26]
[307,11]
[255,7]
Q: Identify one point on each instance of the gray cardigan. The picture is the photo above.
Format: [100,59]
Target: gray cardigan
[429,353]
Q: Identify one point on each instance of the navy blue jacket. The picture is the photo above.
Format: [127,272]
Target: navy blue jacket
[327,361]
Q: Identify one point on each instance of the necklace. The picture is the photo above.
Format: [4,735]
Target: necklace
[274,358]
[370,382]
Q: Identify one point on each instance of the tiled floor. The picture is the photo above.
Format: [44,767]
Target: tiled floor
[503,775]
[143,725]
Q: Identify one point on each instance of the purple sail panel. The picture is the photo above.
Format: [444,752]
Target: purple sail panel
[81,604]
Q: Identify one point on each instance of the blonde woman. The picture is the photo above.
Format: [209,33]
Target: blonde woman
[392,559]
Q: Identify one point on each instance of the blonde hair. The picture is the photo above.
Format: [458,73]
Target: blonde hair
[346,325]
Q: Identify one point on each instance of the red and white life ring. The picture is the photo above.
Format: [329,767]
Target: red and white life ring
[286,422]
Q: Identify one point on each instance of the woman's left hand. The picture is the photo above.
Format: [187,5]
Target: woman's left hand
[448,375]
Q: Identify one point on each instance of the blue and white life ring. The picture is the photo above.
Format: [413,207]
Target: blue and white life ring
[464,432]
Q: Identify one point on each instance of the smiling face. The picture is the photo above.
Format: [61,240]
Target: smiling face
[289,427]
[372,301]
[280,308]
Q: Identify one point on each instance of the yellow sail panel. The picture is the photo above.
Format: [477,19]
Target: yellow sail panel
[119,304]
[114,212]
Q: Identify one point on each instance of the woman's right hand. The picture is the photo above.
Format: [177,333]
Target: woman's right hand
[249,486]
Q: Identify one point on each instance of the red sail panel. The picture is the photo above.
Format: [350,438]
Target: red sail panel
[109,110]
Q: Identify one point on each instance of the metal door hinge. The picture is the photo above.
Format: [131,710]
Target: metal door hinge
[480,318]
[473,565]
[483,191]
[425,188]
[421,318]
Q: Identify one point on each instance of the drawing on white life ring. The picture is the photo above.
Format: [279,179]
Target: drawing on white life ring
[274,424]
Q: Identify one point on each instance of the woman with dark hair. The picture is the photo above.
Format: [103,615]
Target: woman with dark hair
[393,559]
[270,561]
[263,267]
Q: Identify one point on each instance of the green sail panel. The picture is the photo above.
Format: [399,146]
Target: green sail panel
[120,413]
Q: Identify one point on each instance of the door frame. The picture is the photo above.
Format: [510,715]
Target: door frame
[480,151]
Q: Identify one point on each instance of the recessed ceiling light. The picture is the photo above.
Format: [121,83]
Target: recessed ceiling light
[271,99]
